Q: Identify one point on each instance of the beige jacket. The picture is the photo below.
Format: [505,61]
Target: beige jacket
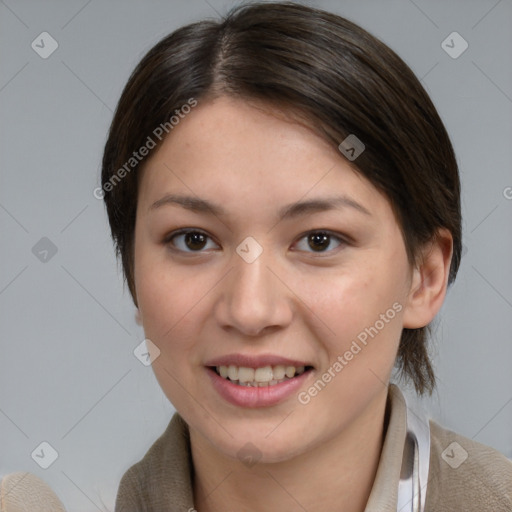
[161,481]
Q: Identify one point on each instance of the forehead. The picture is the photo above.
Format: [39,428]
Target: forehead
[243,155]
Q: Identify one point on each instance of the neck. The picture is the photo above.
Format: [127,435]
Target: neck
[336,475]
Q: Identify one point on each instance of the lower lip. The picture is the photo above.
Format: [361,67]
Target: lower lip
[245,396]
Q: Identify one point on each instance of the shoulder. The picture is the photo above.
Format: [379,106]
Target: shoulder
[161,475]
[466,475]
[130,491]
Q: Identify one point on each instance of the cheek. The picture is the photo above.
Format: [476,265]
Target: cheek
[169,309]
[368,297]
[170,306]
[165,297]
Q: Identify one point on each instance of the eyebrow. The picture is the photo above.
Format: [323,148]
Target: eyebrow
[292,210]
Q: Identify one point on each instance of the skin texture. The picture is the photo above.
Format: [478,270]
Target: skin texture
[292,301]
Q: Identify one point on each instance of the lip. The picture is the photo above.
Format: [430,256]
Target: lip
[253,397]
[255,361]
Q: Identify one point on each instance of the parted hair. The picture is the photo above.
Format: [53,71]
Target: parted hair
[331,74]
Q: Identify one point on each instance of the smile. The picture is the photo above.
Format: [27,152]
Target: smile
[263,386]
[259,377]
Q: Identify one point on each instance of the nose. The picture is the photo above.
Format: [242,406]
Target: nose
[252,299]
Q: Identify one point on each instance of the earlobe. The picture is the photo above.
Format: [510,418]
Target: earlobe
[429,281]
[138,317]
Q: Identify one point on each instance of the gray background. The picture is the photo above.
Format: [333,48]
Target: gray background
[68,375]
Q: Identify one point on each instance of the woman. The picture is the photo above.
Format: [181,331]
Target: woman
[285,201]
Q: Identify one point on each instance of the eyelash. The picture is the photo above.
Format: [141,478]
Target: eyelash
[184,231]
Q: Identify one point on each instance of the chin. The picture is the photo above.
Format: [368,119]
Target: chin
[251,447]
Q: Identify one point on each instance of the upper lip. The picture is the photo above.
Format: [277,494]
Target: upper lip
[249,361]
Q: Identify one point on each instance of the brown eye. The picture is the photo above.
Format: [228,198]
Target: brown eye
[189,241]
[320,242]
[195,241]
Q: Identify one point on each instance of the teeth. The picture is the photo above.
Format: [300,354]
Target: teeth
[245,374]
[290,371]
[263,374]
[232,372]
[279,372]
[259,377]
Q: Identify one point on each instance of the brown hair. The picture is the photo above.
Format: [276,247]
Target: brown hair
[324,69]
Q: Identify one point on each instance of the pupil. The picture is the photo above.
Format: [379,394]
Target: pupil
[195,240]
[318,241]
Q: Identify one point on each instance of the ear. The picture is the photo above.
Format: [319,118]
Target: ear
[429,281]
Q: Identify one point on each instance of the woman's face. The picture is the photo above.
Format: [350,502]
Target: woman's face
[293,263]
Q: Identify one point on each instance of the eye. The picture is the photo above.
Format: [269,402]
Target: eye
[319,241]
[189,240]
